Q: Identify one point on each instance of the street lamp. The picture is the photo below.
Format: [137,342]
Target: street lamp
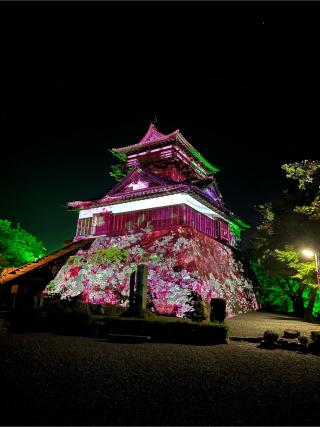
[308,253]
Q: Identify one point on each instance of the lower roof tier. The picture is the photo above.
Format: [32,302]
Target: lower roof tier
[155,202]
[158,218]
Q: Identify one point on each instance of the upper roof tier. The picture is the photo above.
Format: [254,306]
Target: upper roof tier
[154,138]
[153,134]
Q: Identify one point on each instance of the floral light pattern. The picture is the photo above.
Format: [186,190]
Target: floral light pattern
[178,260]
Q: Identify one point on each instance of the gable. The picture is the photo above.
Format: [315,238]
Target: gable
[137,180]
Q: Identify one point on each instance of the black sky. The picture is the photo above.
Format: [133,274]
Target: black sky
[240,80]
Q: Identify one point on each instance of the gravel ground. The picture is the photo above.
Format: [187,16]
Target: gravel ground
[255,323]
[59,380]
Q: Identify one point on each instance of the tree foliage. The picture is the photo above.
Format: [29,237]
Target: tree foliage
[197,311]
[307,174]
[18,246]
[287,281]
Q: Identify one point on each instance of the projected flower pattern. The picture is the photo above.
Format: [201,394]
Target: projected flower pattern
[178,260]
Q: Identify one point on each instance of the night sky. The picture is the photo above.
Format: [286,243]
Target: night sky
[240,81]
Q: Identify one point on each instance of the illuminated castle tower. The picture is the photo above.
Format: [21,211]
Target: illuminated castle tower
[164,182]
[166,211]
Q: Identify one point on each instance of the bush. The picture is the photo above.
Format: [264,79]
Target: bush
[270,340]
[197,312]
[67,316]
[270,336]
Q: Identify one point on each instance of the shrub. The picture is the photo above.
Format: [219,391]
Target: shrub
[197,312]
[67,316]
[270,340]
[270,336]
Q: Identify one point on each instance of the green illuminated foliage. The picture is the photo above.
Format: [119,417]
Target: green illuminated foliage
[287,281]
[305,271]
[117,172]
[74,260]
[119,156]
[109,255]
[307,175]
[237,226]
[305,172]
[235,229]
[17,246]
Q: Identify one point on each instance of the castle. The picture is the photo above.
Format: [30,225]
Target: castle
[166,211]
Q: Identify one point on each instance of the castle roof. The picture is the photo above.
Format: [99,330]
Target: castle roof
[154,137]
[153,134]
[160,187]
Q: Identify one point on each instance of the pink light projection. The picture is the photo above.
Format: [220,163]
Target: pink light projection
[178,260]
[166,212]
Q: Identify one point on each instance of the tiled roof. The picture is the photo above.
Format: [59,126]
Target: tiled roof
[17,272]
[152,136]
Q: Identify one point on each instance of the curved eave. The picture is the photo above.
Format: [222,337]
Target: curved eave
[195,154]
[239,222]
[174,136]
[150,193]
[156,192]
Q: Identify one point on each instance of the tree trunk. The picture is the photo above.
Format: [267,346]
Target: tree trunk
[308,311]
[297,301]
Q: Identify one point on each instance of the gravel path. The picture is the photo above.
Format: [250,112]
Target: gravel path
[59,380]
[255,323]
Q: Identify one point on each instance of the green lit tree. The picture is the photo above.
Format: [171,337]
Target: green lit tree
[286,280]
[307,175]
[304,272]
[17,246]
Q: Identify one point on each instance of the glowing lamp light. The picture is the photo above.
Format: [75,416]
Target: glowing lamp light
[308,253]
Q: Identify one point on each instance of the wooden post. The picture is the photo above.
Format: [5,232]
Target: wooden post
[14,291]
